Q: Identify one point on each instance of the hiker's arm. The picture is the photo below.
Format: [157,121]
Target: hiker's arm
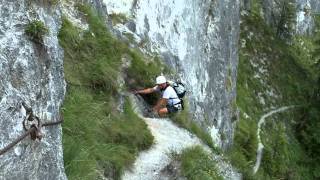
[145,91]
[161,103]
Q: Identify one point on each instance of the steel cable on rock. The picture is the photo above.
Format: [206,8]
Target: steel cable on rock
[31,131]
[52,123]
[16,141]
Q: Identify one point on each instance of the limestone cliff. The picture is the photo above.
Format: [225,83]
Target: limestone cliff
[32,73]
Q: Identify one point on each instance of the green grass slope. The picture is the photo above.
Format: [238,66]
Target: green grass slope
[99,140]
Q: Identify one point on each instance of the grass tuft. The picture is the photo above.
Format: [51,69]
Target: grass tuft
[36,30]
[198,164]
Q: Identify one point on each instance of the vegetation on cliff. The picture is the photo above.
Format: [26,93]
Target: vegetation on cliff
[99,138]
[276,71]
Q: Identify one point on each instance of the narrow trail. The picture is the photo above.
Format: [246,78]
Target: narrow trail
[260,145]
[168,137]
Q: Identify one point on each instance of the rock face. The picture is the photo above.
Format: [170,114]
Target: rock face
[245,4]
[199,39]
[31,73]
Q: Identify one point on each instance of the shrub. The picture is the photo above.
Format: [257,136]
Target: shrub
[36,30]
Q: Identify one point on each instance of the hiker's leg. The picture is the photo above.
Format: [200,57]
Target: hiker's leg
[162,112]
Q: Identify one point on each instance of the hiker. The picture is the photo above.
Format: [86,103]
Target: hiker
[169,102]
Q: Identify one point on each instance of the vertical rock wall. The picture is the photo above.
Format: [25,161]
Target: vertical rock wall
[31,73]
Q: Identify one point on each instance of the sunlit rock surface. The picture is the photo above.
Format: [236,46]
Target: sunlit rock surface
[31,73]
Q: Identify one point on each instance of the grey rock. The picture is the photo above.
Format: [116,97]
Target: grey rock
[131,25]
[30,73]
[245,4]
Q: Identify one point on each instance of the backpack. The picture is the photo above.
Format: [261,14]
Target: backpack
[179,88]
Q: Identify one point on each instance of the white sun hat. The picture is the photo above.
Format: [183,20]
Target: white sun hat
[161,80]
